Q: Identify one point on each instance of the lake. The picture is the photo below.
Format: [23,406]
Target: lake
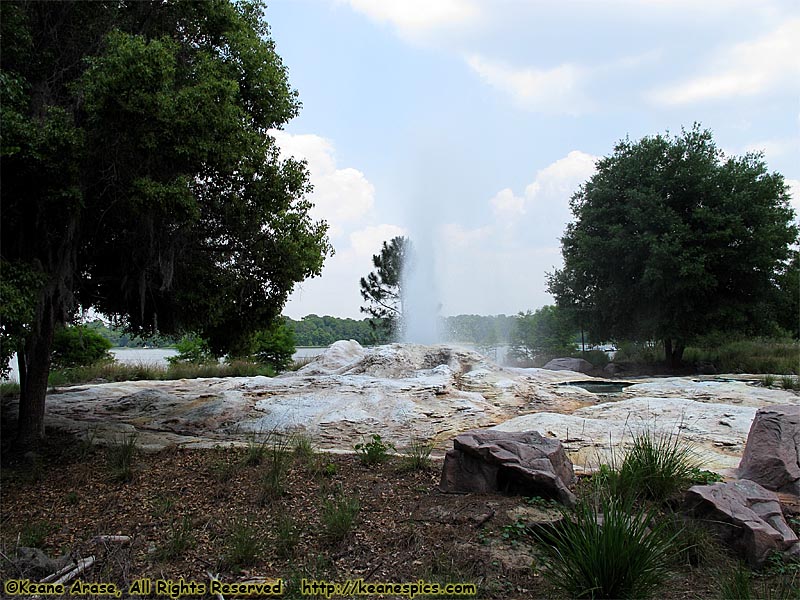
[158,356]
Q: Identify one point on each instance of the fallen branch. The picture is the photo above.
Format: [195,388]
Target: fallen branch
[80,567]
[215,578]
[58,573]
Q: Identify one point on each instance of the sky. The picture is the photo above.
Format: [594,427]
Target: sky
[469,124]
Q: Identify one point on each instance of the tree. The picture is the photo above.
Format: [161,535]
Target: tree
[673,240]
[543,334]
[140,178]
[382,288]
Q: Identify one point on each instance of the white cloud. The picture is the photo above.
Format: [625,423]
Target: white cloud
[776,148]
[506,205]
[368,241]
[767,64]
[419,16]
[341,196]
[556,91]
[794,192]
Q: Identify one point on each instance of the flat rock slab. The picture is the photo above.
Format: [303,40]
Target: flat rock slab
[570,364]
[772,454]
[746,516]
[524,463]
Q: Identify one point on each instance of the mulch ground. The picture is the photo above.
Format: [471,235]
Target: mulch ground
[182,509]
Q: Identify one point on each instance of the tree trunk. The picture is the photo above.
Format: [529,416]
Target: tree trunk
[33,378]
[673,353]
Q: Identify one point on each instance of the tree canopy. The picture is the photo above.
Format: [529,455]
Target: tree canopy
[140,177]
[382,288]
[672,240]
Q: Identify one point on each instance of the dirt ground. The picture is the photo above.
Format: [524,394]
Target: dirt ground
[181,509]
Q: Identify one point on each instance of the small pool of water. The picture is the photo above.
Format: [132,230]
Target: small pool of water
[600,387]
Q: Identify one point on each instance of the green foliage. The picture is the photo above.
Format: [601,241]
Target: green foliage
[418,455]
[672,239]
[276,468]
[607,549]
[140,177]
[34,534]
[655,467]
[736,585]
[192,349]
[303,445]
[542,335]
[19,288]
[79,346]
[287,535]
[120,453]
[699,476]
[338,516]
[313,330]
[374,452]
[244,545]
[382,288]
[179,541]
[274,346]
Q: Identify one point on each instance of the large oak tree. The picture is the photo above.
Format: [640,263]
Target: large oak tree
[672,240]
[139,176]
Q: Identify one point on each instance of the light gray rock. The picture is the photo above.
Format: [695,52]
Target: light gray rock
[745,516]
[772,454]
[524,463]
[578,365]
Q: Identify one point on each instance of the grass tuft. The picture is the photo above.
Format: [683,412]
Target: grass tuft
[339,515]
[607,549]
[121,453]
[244,545]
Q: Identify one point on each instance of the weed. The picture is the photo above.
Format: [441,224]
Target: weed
[736,585]
[287,535]
[121,453]
[244,545]
[33,534]
[256,449]
[303,446]
[418,455]
[608,550]
[273,479]
[179,541]
[72,498]
[162,505]
[374,452]
[339,515]
[767,380]
[514,531]
[790,383]
[699,476]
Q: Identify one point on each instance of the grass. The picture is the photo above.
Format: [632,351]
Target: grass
[339,515]
[121,453]
[244,545]
[608,549]
[115,371]
[303,446]
[179,540]
[278,459]
[655,467]
[287,536]
[418,455]
[33,534]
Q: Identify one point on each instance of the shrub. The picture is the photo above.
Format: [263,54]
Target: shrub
[77,346]
[612,550]
[374,452]
[192,349]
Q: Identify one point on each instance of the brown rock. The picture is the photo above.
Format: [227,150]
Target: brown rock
[525,463]
[746,516]
[772,454]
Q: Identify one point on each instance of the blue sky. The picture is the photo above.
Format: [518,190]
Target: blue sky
[472,122]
